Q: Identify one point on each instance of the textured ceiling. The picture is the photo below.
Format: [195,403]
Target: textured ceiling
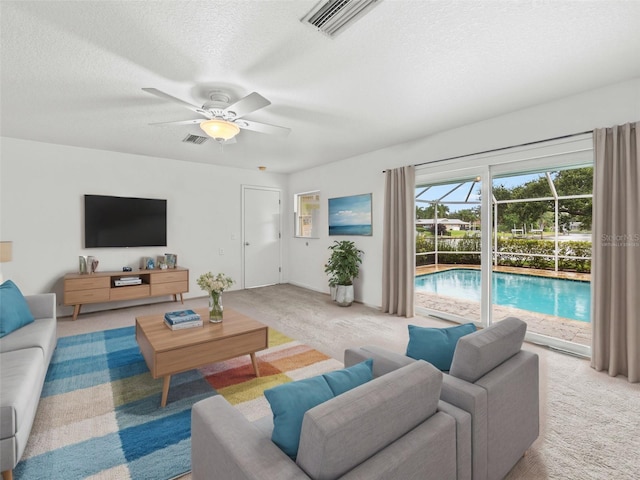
[72,72]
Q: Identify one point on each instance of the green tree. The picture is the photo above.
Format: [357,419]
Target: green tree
[468,214]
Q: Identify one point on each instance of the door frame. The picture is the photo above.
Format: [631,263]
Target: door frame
[242,260]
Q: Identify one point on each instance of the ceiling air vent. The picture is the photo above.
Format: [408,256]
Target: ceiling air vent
[333,16]
[196,139]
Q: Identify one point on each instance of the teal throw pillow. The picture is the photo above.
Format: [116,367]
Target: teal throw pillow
[14,311]
[289,402]
[436,345]
[341,381]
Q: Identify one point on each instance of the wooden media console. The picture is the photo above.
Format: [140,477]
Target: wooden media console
[100,287]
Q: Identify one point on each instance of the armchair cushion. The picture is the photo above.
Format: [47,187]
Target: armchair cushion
[14,311]
[436,345]
[479,353]
[341,381]
[289,402]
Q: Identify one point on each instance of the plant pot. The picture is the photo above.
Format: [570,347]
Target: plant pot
[344,295]
[333,289]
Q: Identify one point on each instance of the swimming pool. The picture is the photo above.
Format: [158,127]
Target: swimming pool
[553,296]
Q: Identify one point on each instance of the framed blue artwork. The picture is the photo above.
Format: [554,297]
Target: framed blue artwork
[350,215]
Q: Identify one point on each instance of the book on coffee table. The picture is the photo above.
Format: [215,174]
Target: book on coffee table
[183,325]
[181,316]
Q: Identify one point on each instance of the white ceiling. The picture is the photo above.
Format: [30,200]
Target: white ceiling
[72,72]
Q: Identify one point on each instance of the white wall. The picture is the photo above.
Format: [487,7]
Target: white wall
[612,105]
[41,188]
[41,194]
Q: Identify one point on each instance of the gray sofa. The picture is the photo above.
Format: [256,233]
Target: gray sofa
[492,379]
[25,355]
[394,426]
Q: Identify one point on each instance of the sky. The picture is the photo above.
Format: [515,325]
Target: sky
[460,194]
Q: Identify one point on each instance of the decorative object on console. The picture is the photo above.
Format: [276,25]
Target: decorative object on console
[92,264]
[215,285]
[160,261]
[83,265]
[343,266]
[172,260]
[150,264]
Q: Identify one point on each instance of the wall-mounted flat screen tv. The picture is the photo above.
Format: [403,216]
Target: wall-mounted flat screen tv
[124,222]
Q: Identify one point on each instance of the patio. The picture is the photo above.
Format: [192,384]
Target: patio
[549,325]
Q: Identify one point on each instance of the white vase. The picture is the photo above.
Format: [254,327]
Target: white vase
[344,295]
[332,289]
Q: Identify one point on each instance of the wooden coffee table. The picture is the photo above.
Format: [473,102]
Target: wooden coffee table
[168,352]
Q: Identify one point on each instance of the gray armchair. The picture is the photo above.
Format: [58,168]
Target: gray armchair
[493,380]
[390,427]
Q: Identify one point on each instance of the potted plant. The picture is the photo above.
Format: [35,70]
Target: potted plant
[343,266]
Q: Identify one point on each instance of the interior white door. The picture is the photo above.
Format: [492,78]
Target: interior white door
[261,236]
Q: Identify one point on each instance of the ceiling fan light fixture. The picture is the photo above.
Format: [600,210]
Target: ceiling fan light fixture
[220,129]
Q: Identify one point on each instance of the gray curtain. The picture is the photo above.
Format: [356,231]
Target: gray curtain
[616,252]
[398,244]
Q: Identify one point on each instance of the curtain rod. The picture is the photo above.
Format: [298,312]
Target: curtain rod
[500,149]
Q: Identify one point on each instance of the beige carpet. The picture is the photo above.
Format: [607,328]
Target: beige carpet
[590,422]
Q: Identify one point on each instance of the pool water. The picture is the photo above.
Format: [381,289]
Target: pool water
[552,296]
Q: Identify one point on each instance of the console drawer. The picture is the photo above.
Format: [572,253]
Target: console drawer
[86,296]
[87,283]
[169,288]
[129,291]
[168,277]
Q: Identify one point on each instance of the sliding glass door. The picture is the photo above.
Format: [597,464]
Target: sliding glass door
[448,249]
[520,247]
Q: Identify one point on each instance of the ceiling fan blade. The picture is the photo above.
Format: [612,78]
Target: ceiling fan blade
[252,102]
[158,93]
[195,121]
[264,128]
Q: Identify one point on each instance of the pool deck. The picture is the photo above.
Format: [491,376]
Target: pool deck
[549,325]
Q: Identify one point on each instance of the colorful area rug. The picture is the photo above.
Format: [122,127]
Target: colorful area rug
[100,416]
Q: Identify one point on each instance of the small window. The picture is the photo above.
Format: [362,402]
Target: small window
[306,212]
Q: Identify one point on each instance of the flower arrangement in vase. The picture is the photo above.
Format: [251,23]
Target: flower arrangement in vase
[215,285]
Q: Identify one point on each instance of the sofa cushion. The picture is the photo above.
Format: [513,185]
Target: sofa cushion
[22,374]
[436,345]
[479,353]
[348,429]
[40,334]
[341,381]
[14,311]
[289,402]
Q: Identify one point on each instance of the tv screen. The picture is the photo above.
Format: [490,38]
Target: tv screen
[124,222]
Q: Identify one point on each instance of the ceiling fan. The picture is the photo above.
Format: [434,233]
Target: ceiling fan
[223,120]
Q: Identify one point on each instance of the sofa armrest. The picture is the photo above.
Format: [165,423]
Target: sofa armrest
[471,399]
[513,406]
[42,305]
[224,444]
[384,361]
[463,438]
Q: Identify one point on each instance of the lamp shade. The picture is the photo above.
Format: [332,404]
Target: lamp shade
[6,251]
[220,129]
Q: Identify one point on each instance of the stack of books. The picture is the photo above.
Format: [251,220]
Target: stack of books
[182,319]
